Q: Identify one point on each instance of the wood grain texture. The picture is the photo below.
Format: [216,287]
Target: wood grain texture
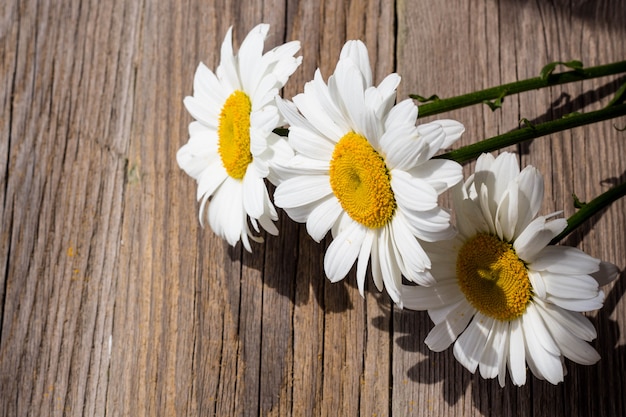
[114,301]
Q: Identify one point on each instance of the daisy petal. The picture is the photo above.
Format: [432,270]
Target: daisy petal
[411,192]
[606,274]
[470,346]
[323,217]
[446,332]
[517,353]
[571,346]
[417,297]
[343,251]
[364,255]
[565,260]
[299,191]
[536,237]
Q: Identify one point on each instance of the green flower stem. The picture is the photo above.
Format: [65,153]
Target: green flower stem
[589,209]
[495,93]
[469,152]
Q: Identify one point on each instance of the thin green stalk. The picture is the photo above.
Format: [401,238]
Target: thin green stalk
[498,93]
[469,152]
[589,209]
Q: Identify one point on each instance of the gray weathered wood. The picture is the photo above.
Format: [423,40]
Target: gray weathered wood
[114,301]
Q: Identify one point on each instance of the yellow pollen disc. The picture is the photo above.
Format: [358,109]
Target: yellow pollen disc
[361,181]
[492,277]
[234,134]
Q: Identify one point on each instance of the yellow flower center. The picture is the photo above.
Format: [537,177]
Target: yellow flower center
[361,181]
[234,134]
[493,278]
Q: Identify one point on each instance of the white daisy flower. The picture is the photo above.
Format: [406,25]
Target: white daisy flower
[232,147]
[513,298]
[363,169]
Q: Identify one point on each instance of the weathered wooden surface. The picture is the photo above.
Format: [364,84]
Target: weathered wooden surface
[115,302]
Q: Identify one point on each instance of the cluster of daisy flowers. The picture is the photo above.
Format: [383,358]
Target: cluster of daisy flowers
[357,165]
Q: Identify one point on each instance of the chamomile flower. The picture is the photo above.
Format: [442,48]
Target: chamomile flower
[509,299]
[364,170]
[232,147]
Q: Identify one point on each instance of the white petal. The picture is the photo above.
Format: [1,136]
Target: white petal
[209,93]
[268,225]
[390,270]
[504,353]
[254,193]
[249,56]
[381,99]
[411,192]
[470,346]
[318,116]
[571,346]
[351,91]
[343,251]
[543,354]
[299,191]
[417,297]
[469,218]
[377,274]
[302,165]
[606,274]
[265,119]
[227,69]
[517,353]
[441,174]
[532,319]
[310,144]
[323,217]
[446,331]
[289,112]
[577,324]
[570,286]
[502,172]
[412,256]
[201,111]
[490,359]
[318,91]
[226,213]
[453,131]
[403,113]
[590,304]
[433,136]
[537,283]
[565,260]
[530,197]
[357,52]
[401,146]
[507,214]
[364,256]
[430,226]
[533,240]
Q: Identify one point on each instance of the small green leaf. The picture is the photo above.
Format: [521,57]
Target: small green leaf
[572,114]
[493,105]
[549,69]
[526,123]
[497,103]
[422,99]
[577,203]
[619,97]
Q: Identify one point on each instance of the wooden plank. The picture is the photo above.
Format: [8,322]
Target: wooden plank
[502,42]
[63,227]
[116,302]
